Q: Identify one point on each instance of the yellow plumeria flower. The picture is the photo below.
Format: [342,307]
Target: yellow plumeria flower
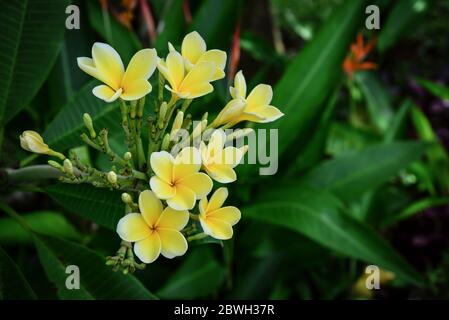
[107,66]
[178,180]
[255,107]
[33,142]
[187,84]
[217,221]
[194,51]
[219,161]
[154,230]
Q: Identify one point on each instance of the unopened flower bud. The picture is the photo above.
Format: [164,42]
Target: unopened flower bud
[177,124]
[203,124]
[126,198]
[68,167]
[33,142]
[89,125]
[165,142]
[55,165]
[197,129]
[127,156]
[163,110]
[112,177]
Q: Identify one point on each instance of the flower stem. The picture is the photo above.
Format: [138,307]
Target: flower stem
[197,236]
[28,174]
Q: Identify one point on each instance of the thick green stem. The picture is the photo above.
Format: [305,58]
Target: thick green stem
[28,174]
[155,137]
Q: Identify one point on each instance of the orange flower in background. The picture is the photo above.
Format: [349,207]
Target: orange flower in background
[123,11]
[354,61]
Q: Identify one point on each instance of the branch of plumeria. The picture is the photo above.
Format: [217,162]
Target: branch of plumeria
[188,75]
[124,259]
[157,127]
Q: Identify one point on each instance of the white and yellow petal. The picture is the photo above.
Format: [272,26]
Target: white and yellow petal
[173,243]
[218,57]
[133,227]
[230,112]
[105,93]
[162,189]
[162,165]
[150,207]
[216,228]
[261,95]
[175,68]
[264,114]
[173,219]
[215,145]
[109,64]
[196,82]
[187,162]
[217,199]
[239,89]
[232,156]
[221,173]
[141,66]
[148,249]
[184,199]
[88,66]
[228,214]
[136,90]
[199,183]
[193,47]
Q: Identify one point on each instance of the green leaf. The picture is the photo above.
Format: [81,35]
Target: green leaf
[353,174]
[378,99]
[97,281]
[65,130]
[438,158]
[171,25]
[312,76]
[315,148]
[318,215]
[435,88]
[99,205]
[13,285]
[32,31]
[405,15]
[45,222]
[398,122]
[215,20]
[414,208]
[344,138]
[118,36]
[199,276]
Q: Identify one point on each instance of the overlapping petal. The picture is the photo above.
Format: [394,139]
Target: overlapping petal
[148,249]
[184,199]
[133,227]
[173,243]
[218,161]
[173,219]
[150,207]
[217,221]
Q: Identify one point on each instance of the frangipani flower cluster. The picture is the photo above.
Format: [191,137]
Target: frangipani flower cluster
[179,195]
